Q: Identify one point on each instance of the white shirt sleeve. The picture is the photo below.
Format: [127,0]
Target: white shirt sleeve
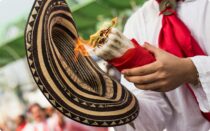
[202,91]
[202,63]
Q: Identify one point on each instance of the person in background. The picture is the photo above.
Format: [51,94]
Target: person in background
[20,122]
[62,123]
[49,111]
[40,122]
[3,127]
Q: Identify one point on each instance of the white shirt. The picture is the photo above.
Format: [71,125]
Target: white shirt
[36,127]
[176,110]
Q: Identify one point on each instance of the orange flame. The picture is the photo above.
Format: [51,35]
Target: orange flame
[80,48]
[92,42]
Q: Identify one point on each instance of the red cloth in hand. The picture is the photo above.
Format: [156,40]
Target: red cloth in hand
[135,57]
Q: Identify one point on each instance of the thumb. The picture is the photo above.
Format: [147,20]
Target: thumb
[151,48]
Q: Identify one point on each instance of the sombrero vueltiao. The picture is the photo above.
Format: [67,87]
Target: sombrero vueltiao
[78,89]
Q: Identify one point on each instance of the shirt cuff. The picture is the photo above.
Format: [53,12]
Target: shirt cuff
[202,90]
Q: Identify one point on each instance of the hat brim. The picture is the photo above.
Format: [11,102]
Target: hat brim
[78,89]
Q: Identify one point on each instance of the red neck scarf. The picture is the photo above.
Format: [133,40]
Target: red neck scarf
[174,38]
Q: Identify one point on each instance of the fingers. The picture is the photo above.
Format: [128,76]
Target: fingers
[152,48]
[152,82]
[111,50]
[158,86]
[98,52]
[114,41]
[140,71]
[107,52]
[143,79]
[116,45]
[118,37]
[101,53]
[122,45]
[117,32]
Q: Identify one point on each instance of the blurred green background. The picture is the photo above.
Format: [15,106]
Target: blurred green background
[88,14]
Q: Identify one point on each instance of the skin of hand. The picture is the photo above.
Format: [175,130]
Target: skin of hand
[115,46]
[165,74]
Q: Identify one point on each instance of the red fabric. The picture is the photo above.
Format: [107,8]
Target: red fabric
[21,126]
[133,58]
[174,38]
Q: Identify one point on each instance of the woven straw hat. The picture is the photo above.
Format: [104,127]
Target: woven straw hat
[78,89]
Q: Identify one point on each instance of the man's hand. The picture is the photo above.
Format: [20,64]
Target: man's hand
[115,46]
[165,74]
